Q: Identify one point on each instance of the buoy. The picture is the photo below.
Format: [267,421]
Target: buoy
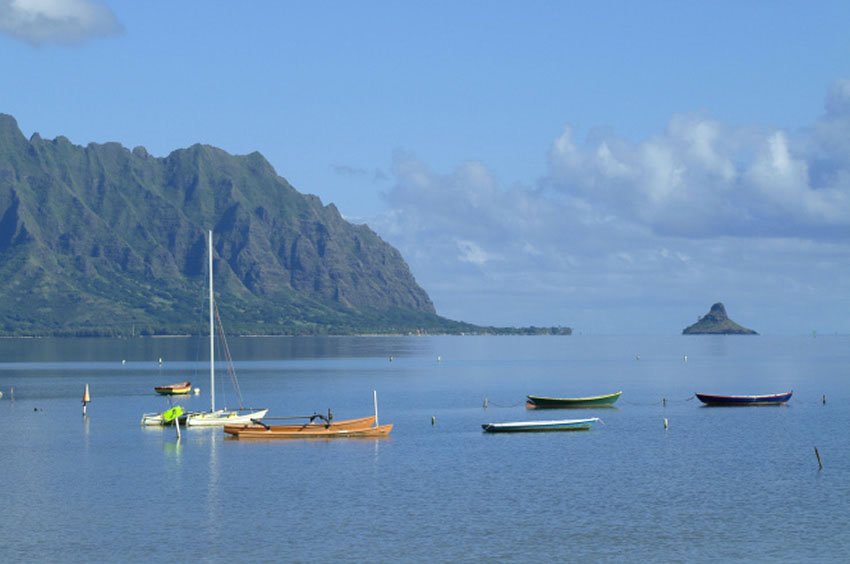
[665,424]
[197,391]
[86,399]
[824,399]
[685,358]
[433,420]
[486,403]
[160,360]
[637,357]
[1,395]
[391,359]
[663,402]
[123,361]
[439,359]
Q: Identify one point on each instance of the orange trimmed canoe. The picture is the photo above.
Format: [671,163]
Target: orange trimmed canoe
[362,427]
[174,389]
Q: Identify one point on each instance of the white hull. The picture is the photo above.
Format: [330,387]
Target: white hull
[155,420]
[152,420]
[223,417]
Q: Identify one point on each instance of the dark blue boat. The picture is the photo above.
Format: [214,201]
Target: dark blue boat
[769,399]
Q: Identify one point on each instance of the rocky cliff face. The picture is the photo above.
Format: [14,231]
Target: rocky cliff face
[716,322]
[102,238]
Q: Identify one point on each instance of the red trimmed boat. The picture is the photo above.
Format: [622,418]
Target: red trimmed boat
[768,399]
[174,389]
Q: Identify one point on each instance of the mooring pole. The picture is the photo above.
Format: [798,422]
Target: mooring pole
[817,454]
[86,399]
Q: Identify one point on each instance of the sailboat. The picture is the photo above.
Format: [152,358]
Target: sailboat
[218,417]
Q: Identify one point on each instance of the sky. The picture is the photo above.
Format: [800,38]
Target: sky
[612,166]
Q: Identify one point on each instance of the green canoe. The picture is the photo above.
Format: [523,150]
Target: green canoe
[541,402]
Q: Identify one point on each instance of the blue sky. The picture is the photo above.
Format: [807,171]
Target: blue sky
[612,166]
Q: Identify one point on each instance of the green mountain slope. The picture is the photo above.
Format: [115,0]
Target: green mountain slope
[104,240]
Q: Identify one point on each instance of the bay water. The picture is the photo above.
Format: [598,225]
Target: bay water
[718,484]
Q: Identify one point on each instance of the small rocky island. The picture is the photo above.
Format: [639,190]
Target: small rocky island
[716,322]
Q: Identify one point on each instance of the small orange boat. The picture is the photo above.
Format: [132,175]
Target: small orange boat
[362,427]
[174,389]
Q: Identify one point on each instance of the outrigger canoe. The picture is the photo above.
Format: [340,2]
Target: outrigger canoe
[174,389]
[542,402]
[362,427]
[526,426]
[769,399]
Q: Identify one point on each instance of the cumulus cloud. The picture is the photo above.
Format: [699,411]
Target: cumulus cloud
[698,213]
[68,22]
[701,179]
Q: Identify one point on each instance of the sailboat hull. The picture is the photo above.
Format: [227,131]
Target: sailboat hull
[223,417]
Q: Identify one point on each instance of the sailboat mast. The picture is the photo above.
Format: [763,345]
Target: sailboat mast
[212,332]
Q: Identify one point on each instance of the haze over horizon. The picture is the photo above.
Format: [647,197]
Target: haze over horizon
[614,167]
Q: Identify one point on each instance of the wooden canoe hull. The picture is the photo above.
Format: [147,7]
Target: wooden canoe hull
[542,402]
[540,426]
[174,389]
[768,399]
[362,427]
[309,432]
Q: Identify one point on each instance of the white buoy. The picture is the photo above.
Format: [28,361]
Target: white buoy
[433,420]
[665,424]
[123,361]
[160,360]
[197,391]
[685,358]
[486,403]
[439,359]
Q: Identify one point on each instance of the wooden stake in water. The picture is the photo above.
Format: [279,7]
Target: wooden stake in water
[433,420]
[817,454]
[86,399]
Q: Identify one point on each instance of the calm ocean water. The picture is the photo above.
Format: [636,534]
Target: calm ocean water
[720,484]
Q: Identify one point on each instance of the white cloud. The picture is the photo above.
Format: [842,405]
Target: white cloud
[701,179]
[700,212]
[472,253]
[56,21]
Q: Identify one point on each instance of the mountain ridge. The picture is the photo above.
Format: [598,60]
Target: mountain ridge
[105,240]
